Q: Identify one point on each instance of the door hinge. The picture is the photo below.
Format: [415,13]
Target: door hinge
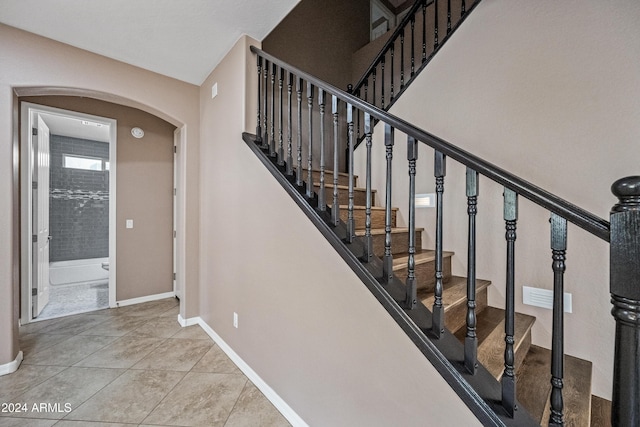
[34,292]
[34,185]
[34,131]
[34,238]
[175,191]
[175,149]
[174,276]
[174,234]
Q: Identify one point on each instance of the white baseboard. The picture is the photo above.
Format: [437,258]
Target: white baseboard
[268,392]
[11,367]
[188,322]
[148,298]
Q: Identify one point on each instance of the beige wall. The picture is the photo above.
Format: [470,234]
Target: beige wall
[320,37]
[550,91]
[29,61]
[307,325]
[144,254]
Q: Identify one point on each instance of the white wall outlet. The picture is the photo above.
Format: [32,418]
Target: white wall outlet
[235,320]
[214,90]
[129,223]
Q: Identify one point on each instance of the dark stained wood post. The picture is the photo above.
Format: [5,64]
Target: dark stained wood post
[439,171]
[625,297]
[387,262]
[508,380]
[258,127]
[471,339]
[411,299]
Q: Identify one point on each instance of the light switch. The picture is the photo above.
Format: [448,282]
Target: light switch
[129,223]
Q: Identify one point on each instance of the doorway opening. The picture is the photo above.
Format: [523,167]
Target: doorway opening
[68,171]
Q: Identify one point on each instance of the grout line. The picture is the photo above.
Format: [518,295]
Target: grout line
[236,402]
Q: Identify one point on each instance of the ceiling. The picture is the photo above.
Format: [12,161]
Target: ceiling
[77,127]
[183,39]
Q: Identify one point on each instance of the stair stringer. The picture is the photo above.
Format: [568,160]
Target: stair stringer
[480,392]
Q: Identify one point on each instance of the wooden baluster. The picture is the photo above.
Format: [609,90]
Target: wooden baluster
[272,135]
[413,45]
[299,133]
[258,127]
[310,91]
[280,121]
[387,262]
[471,340]
[322,205]
[335,207]
[435,25]
[368,241]
[265,140]
[424,31]
[366,87]
[366,90]
[448,16]
[346,157]
[373,99]
[401,59]
[625,296]
[382,63]
[508,377]
[350,219]
[289,117]
[559,250]
[393,47]
[411,298]
[439,171]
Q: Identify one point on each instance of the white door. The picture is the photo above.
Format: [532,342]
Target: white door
[40,216]
[177,288]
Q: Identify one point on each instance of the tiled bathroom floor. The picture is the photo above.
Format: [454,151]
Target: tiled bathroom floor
[128,366]
[65,300]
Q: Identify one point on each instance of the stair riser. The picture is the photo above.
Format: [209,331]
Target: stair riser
[522,351]
[399,243]
[455,317]
[425,273]
[359,196]
[377,218]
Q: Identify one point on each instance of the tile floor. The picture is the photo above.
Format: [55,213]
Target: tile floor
[125,367]
[65,300]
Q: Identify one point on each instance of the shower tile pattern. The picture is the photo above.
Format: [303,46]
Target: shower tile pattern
[151,373]
[79,210]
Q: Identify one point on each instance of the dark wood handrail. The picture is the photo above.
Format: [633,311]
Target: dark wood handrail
[396,33]
[572,213]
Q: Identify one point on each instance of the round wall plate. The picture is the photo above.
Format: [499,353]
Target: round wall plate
[137,132]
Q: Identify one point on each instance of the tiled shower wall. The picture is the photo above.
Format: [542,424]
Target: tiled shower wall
[79,209]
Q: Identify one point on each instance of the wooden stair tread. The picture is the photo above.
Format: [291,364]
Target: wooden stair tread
[534,387]
[454,294]
[490,333]
[420,257]
[378,231]
[600,412]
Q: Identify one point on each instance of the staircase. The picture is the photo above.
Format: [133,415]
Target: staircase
[532,363]
[484,353]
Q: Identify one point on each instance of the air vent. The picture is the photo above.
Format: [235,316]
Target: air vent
[544,298]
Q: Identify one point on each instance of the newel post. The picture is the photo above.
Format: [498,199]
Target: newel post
[625,297]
